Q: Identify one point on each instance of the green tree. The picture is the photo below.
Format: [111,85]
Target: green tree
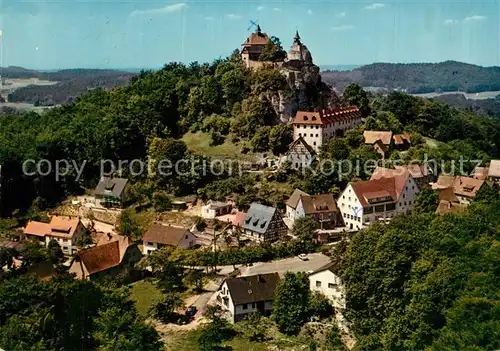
[260,141]
[54,252]
[128,225]
[426,202]
[280,137]
[273,51]
[304,228]
[320,306]
[291,302]
[355,95]
[164,309]
[161,201]
[487,194]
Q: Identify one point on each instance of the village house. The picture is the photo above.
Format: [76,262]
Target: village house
[264,223]
[389,192]
[329,284]
[448,202]
[111,258]
[316,128]
[243,295]
[322,208]
[300,154]
[215,209]
[491,173]
[292,202]
[464,188]
[64,231]
[110,192]
[159,236]
[380,141]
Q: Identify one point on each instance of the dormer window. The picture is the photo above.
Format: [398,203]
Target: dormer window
[313,118]
[305,118]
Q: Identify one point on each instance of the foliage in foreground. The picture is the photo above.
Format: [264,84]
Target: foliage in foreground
[427,282]
[64,314]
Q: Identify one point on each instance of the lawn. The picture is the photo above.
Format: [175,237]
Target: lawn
[199,142]
[144,293]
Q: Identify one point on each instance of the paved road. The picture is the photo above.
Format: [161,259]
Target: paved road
[294,264]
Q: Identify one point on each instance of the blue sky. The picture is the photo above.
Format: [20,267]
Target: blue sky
[134,34]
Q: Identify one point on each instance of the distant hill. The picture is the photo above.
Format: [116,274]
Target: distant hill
[489,107]
[419,78]
[71,83]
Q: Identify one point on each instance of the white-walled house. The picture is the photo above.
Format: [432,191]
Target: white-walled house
[64,231]
[243,295]
[389,192]
[316,128]
[215,209]
[329,284]
[292,202]
[159,236]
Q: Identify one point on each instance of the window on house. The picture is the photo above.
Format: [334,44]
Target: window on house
[150,243]
[332,286]
[245,306]
[186,236]
[318,284]
[253,304]
[311,135]
[314,143]
[409,203]
[403,196]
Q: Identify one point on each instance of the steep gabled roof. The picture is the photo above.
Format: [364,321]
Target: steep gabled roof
[111,187]
[300,140]
[258,38]
[166,235]
[100,258]
[258,218]
[417,170]
[253,288]
[295,197]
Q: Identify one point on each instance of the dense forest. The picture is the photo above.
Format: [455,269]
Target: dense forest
[427,282]
[416,78]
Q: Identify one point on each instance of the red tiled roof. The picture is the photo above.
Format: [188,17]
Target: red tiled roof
[416,170]
[371,137]
[467,186]
[235,219]
[318,203]
[99,258]
[445,207]
[327,116]
[37,228]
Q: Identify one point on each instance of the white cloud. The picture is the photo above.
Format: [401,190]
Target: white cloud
[234,16]
[276,9]
[165,9]
[209,18]
[375,6]
[260,8]
[342,28]
[309,12]
[475,18]
[341,14]
[450,22]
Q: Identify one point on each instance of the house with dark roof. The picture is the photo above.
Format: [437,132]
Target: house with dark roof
[389,192]
[159,235]
[300,154]
[65,231]
[264,223]
[323,208]
[325,281]
[108,259]
[110,192]
[243,295]
[292,202]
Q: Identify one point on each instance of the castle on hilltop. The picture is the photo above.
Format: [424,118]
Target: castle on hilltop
[298,56]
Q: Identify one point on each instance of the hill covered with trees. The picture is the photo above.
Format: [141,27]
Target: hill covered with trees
[417,78]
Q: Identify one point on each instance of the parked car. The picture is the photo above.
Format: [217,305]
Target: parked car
[303,257]
[191,311]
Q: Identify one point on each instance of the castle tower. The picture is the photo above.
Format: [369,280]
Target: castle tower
[253,46]
[298,55]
